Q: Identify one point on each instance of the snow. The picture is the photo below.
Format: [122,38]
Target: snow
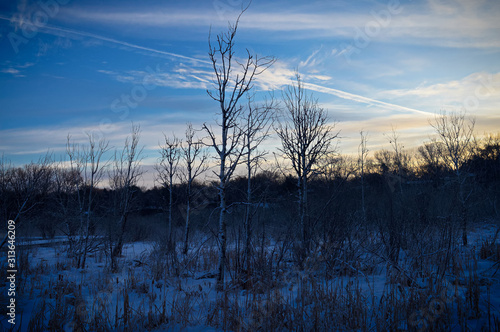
[145,286]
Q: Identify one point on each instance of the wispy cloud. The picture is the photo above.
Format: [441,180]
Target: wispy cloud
[477,93]
[26,65]
[311,60]
[433,23]
[12,71]
[413,131]
[180,77]
[161,17]
[28,141]
[16,70]
[485,84]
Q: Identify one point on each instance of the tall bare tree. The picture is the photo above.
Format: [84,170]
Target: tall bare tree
[362,158]
[233,78]
[399,158]
[123,178]
[394,166]
[194,159]
[256,129]
[455,131]
[166,171]
[306,137]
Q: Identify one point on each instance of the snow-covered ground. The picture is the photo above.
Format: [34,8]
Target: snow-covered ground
[155,291]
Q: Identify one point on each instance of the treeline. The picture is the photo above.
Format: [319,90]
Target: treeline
[398,193]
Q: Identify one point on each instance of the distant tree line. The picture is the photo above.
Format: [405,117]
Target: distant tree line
[397,192]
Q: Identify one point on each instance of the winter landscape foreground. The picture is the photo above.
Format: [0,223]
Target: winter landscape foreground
[437,285]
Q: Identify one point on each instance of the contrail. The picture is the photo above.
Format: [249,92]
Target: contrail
[361,99]
[110,40]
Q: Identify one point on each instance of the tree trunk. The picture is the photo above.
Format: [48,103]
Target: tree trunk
[222,238]
[305,225]
[222,217]
[303,203]
[394,232]
[464,224]
[170,204]
[248,213]
[363,209]
[186,227]
[86,242]
[117,250]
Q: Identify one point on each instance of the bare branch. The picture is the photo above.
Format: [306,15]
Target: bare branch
[306,138]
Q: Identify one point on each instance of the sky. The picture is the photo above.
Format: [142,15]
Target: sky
[70,67]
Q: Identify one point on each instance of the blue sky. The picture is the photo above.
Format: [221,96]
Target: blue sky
[69,67]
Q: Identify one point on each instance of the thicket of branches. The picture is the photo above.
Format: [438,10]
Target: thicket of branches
[397,193]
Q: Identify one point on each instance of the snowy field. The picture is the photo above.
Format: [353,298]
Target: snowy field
[352,288]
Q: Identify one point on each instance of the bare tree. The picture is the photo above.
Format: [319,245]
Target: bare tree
[362,156]
[336,166]
[306,138]
[432,155]
[67,183]
[233,78]
[399,158]
[167,171]
[194,158]
[28,185]
[256,130]
[455,131]
[89,163]
[123,178]
[394,167]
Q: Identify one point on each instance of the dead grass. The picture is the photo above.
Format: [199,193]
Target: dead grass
[334,288]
